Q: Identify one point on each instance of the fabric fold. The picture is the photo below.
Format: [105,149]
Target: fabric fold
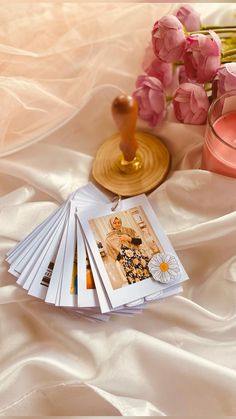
[62,64]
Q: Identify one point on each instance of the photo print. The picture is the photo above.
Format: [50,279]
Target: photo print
[90,285]
[124,244]
[74,277]
[86,290]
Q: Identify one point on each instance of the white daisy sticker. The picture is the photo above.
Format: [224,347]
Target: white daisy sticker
[164,267]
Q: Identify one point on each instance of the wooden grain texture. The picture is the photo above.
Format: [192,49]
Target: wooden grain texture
[156,163]
[125,112]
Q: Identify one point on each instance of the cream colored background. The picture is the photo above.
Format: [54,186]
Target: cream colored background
[61,65]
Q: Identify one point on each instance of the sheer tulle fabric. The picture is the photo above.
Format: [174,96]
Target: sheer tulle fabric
[61,65]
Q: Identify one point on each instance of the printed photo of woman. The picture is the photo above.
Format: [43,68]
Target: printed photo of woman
[126,243]
[123,245]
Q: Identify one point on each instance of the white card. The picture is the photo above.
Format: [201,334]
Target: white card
[53,290]
[129,251]
[30,254]
[23,254]
[39,267]
[85,194]
[87,294]
[38,287]
[104,302]
[27,265]
[68,296]
[60,275]
[34,237]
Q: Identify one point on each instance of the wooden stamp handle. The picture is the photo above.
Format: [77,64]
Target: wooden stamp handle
[125,112]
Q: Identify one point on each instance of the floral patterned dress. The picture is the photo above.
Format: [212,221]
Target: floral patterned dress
[134,263]
[133,260]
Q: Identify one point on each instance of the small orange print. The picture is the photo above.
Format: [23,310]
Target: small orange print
[164,267]
[89,280]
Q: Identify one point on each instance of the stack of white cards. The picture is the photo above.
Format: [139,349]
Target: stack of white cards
[97,257]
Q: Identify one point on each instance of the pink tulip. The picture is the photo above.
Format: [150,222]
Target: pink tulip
[191,104]
[225,78]
[151,99]
[168,39]
[189,17]
[202,57]
[155,67]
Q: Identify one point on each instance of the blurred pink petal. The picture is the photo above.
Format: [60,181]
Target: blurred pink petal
[151,99]
[189,17]
[202,57]
[191,104]
[225,79]
[168,39]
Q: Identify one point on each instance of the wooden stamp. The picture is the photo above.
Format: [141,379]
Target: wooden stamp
[130,162]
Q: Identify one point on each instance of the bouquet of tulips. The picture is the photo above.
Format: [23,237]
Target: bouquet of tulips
[201,59]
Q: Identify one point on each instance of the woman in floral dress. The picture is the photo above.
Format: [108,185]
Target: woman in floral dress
[123,246]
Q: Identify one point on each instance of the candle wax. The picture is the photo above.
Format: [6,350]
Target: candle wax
[225,127]
[217,156]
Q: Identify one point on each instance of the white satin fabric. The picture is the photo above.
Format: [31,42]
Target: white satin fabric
[61,66]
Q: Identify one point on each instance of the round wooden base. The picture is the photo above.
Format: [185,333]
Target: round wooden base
[156,162]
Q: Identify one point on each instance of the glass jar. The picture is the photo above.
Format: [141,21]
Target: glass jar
[219,149]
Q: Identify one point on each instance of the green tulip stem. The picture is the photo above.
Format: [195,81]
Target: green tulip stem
[177,64]
[207,88]
[204,28]
[206,32]
[229,53]
[233,59]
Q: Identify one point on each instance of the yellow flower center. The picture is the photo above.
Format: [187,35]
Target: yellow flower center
[164,266]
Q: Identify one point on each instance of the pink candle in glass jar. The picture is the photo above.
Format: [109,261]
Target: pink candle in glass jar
[219,150]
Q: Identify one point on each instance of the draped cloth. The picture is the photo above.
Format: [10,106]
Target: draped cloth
[113,242]
[62,63]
